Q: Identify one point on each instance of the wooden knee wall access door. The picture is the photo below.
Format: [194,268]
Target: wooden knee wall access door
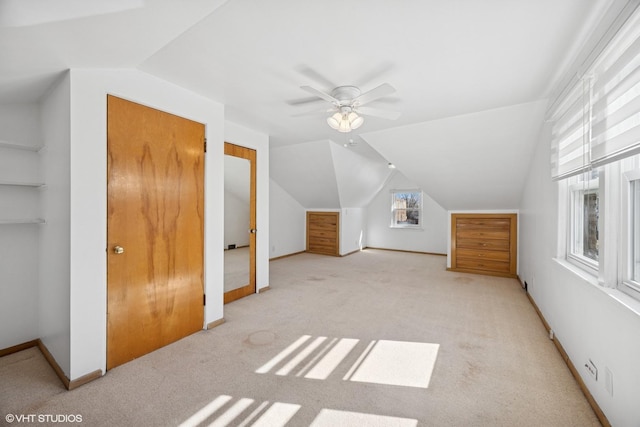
[323,233]
[484,244]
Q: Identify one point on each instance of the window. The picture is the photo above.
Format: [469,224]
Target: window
[595,155]
[630,233]
[406,208]
[584,215]
[634,225]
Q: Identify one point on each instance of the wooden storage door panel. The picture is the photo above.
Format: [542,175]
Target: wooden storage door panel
[321,219]
[483,224]
[330,234]
[485,265]
[484,243]
[323,233]
[483,234]
[323,241]
[322,248]
[491,245]
[481,254]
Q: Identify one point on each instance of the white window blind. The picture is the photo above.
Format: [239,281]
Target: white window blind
[570,132]
[615,127]
[598,121]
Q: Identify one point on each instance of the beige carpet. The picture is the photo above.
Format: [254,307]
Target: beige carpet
[377,338]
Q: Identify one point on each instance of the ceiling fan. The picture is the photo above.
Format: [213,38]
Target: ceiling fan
[348,105]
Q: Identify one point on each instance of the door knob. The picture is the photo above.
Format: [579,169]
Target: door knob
[252,231]
[118,250]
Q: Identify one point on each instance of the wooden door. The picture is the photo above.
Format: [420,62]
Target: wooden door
[323,233]
[250,287]
[484,243]
[155,229]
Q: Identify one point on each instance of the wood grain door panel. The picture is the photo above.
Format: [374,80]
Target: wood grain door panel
[483,254]
[156,214]
[484,243]
[484,265]
[323,233]
[482,234]
[250,155]
[494,245]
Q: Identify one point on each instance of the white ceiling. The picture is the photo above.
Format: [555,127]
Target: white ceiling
[325,175]
[450,61]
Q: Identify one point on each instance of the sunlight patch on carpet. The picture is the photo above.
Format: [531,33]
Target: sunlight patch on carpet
[399,363]
[225,410]
[330,361]
[282,355]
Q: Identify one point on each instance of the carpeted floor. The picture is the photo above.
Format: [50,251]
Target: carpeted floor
[377,338]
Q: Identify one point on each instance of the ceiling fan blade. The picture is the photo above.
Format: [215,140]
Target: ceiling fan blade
[315,76]
[320,94]
[315,112]
[305,101]
[375,73]
[376,112]
[375,93]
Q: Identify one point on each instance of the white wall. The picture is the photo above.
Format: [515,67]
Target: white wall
[245,137]
[55,245]
[236,220]
[353,230]
[19,124]
[287,222]
[89,89]
[306,171]
[590,321]
[433,236]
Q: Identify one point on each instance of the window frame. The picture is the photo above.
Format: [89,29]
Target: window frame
[630,178]
[575,225]
[393,223]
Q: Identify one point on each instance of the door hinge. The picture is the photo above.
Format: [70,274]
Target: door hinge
[205,145]
[204,299]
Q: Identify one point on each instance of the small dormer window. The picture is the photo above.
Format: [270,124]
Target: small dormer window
[406,208]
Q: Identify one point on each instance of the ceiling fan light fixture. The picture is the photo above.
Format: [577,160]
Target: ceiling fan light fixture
[355,120]
[334,121]
[345,125]
[347,99]
[345,120]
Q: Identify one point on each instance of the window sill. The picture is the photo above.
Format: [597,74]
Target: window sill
[620,297]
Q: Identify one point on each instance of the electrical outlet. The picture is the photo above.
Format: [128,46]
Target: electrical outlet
[608,381]
[591,368]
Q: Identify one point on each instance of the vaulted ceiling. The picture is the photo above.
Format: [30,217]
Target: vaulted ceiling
[471,78]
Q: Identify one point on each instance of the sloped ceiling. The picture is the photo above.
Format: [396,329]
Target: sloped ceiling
[41,38]
[325,175]
[448,60]
[306,172]
[500,142]
[359,178]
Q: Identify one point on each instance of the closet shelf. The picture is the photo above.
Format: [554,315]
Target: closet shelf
[15,146]
[22,221]
[22,183]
